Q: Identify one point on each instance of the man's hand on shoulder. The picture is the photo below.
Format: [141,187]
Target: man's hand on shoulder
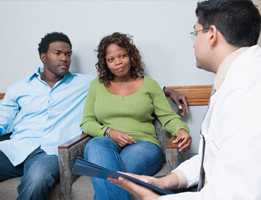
[178,99]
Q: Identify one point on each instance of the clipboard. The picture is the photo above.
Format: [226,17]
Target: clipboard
[86,168]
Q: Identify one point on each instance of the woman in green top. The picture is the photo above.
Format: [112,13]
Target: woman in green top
[119,112]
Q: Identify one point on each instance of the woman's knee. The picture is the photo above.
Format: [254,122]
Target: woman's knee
[98,144]
[143,158]
[105,152]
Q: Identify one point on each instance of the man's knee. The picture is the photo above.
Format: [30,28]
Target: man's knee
[41,177]
[42,173]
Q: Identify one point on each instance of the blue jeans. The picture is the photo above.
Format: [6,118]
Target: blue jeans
[39,174]
[140,158]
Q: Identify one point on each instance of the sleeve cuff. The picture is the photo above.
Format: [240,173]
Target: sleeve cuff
[182,179]
[2,130]
[189,170]
[185,127]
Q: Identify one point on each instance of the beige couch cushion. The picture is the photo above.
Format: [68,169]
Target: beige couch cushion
[81,189]
[8,190]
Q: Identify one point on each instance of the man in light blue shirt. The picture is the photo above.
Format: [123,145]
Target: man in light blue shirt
[42,111]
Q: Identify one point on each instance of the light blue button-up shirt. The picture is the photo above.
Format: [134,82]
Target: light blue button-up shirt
[41,116]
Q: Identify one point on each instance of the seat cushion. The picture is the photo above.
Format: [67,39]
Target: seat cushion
[82,189]
[8,190]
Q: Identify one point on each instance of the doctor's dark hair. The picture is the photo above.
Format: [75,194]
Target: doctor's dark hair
[124,41]
[50,38]
[238,20]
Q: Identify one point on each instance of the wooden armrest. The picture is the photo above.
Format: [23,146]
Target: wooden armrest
[73,141]
[171,158]
[68,152]
[196,95]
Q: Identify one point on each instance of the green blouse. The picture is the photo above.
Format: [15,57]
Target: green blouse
[132,114]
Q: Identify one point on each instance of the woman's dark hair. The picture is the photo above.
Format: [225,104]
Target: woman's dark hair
[125,42]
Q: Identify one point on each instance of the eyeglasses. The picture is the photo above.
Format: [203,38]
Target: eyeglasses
[195,32]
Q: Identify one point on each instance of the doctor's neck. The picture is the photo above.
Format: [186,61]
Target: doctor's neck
[221,53]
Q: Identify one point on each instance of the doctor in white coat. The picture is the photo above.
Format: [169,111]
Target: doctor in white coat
[226,35]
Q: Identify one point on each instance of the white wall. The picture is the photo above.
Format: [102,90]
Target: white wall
[160,28]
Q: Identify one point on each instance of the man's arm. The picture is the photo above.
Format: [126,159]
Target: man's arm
[178,99]
[8,110]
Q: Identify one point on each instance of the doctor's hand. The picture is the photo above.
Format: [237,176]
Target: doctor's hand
[121,138]
[138,191]
[181,141]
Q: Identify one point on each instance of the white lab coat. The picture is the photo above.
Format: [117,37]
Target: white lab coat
[232,129]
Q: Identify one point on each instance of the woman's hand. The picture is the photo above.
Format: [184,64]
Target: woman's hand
[121,138]
[182,141]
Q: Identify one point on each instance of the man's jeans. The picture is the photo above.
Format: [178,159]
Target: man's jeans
[39,174]
[140,158]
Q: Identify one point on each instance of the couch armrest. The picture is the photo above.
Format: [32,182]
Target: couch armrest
[68,152]
[171,158]
[170,153]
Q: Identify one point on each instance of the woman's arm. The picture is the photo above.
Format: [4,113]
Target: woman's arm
[169,119]
[90,125]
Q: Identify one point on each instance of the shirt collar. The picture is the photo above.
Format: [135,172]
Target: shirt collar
[37,73]
[39,70]
[225,65]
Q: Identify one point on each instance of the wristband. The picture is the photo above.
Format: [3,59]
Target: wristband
[165,92]
[107,132]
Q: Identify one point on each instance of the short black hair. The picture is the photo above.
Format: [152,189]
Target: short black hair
[238,20]
[52,37]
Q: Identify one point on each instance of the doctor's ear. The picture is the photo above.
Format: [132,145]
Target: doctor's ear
[43,57]
[213,35]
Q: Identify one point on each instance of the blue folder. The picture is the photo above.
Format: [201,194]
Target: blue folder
[83,167]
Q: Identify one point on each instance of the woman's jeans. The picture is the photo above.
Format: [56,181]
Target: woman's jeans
[140,158]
